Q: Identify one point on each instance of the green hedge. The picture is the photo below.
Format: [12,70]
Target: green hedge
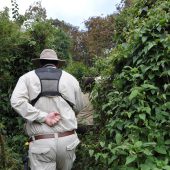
[133,100]
[18,47]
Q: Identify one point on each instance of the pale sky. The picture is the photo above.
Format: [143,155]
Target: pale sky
[74,12]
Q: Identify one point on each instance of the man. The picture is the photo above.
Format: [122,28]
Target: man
[85,116]
[47,98]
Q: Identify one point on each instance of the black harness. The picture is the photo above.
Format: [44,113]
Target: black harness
[49,79]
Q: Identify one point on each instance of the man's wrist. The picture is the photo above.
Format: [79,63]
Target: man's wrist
[42,117]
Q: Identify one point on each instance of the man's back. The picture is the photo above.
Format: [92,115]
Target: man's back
[68,87]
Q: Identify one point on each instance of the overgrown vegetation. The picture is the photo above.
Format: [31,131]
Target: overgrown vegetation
[132,102]
[18,48]
[132,119]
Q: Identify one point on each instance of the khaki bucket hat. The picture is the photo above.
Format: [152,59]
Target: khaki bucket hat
[48,54]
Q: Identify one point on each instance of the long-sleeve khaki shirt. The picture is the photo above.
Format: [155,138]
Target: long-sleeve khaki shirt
[85,116]
[28,88]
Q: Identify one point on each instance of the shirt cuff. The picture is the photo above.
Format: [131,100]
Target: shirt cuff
[41,117]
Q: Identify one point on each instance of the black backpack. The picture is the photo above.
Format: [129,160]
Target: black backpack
[49,79]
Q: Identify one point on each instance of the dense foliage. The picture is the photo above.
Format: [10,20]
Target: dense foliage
[18,48]
[132,101]
[132,55]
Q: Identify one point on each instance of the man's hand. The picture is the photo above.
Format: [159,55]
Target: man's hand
[52,118]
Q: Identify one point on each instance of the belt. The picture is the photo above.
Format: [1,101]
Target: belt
[46,136]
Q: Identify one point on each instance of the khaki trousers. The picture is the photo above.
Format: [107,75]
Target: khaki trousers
[53,153]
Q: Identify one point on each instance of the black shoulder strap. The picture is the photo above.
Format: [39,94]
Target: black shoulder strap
[49,79]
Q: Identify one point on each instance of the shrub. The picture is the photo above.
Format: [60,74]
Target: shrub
[132,102]
[77,69]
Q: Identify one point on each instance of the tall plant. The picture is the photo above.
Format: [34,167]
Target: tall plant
[132,101]
[17,49]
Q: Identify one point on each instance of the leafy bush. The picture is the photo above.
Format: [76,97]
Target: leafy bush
[16,52]
[44,35]
[132,102]
[77,69]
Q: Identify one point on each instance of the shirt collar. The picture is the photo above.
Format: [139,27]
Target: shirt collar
[50,66]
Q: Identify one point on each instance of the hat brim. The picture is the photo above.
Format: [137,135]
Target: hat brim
[36,62]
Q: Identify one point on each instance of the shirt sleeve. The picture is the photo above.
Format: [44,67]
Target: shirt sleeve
[79,101]
[20,103]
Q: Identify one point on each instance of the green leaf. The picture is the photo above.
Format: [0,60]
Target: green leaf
[142,116]
[159,28]
[91,152]
[145,167]
[149,144]
[148,110]
[144,38]
[138,144]
[166,73]
[102,144]
[130,159]
[129,114]
[149,86]
[147,152]
[167,142]
[118,138]
[167,105]
[166,167]
[144,68]
[110,160]
[166,86]
[151,76]
[133,94]
[97,156]
[151,44]
[161,149]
